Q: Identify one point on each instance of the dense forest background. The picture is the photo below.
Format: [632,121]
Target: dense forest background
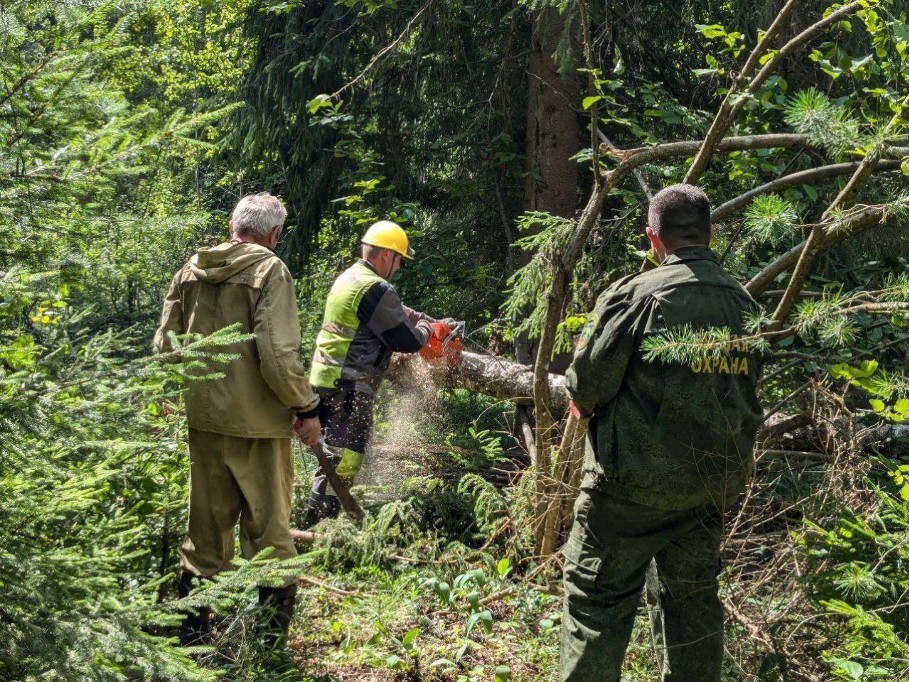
[517,142]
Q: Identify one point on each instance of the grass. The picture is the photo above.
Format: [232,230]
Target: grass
[398,627]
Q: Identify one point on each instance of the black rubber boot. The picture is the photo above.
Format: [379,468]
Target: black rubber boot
[321,507]
[277,606]
[196,627]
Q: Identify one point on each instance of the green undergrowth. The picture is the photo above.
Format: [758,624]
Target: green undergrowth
[437,619]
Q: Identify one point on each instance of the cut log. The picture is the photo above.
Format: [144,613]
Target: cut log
[487,374]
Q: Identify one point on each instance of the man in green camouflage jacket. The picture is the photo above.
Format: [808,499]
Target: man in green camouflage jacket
[669,446]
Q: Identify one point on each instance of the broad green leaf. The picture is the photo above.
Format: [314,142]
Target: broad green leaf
[865,369]
[840,371]
[318,102]
[711,30]
[590,100]
[852,669]
[411,635]
[483,617]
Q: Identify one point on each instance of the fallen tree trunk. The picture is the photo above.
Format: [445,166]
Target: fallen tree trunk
[797,433]
[488,374]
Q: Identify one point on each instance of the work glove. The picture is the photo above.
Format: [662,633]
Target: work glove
[308,430]
[450,322]
[427,326]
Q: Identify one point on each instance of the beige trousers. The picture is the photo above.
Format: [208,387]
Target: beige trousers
[250,479]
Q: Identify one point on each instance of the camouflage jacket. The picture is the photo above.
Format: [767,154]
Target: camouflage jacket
[668,435]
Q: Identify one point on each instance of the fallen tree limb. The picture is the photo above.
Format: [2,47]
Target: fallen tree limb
[487,374]
[838,231]
[331,588]
[734,100]
[821,238]
[305,537]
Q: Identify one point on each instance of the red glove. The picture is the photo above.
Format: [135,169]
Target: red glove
[573,410]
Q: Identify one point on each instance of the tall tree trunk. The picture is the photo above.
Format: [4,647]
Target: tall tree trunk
[553,133]
[553,136]
[553,130]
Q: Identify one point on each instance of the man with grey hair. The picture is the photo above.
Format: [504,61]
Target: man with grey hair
[240,425]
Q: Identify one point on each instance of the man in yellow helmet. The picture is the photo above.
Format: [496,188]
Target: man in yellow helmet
[364,323]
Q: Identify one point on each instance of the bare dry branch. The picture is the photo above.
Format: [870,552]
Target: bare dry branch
[785,182]
[728,109]
[384,52]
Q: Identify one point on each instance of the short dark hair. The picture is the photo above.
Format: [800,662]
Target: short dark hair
[680,215]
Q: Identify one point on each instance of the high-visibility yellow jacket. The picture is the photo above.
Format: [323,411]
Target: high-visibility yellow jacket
[364,323]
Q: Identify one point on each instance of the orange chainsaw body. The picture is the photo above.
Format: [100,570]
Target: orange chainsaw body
[444,346]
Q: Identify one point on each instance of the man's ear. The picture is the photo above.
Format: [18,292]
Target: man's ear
[275,235]
[655,242]
[230,229]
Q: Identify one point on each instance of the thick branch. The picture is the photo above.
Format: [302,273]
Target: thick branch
[821,239]
[736,98]
[728,109]
[785,182]
[632,158]
[837,232]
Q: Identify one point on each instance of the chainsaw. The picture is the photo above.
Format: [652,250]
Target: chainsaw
[445,344]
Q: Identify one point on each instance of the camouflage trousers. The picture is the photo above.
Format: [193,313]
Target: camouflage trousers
[612,544]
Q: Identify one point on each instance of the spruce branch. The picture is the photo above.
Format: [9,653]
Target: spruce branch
[864,219]
[828,125]
[819,240]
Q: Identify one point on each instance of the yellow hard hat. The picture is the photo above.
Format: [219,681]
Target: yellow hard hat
[388,235]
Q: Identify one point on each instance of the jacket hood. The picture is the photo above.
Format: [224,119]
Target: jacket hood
[218,263]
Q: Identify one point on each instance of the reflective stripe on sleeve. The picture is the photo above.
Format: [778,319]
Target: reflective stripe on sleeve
[323,359]
[340,330]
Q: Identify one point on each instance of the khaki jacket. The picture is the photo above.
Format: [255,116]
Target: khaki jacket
[248,284]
